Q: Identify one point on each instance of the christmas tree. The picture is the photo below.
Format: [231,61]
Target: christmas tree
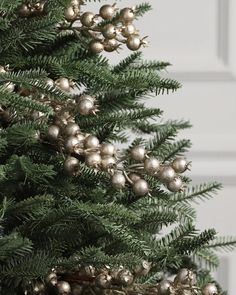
[78,214]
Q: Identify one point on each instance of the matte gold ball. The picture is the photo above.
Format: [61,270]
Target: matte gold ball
[108,162]
[180,165]
[175,185]
[185,277]
[140,188]
[63,288]
[85,107]
[209,289]
[91,142]
[96,46]
[72,129]
[128,30]
[107,12]
[71,14]
[138,153]
[166,174]
[72,145]
[133,42]
[151,166]
[134,177]
[71,166]
[109,31]
[118,181]
[164,288]
[127,15]
[93,160]
[53,132]
[107,149]
[111,45]
[87,19]
[64,84]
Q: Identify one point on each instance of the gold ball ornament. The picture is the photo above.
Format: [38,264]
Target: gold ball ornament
[134,42]
[134,177]
[138,153]
[143,269]
[93,160]
[108,163]
[127,15]
[9,86]
[38,8]
[63,288]
[128,30]
[87,19]
[111,45]
[185,277]
[125,278]
[73,145]
[151,166]
[209,289]
[107,149]
[180,165]
[39,288]
[53,132]
[175,185]
[118,181]
[96,46]
[52,279]
[71,166]
[86,107]
[166,174]
[103,280]
[49,82]
[24,10]
[109,31]
[140,188]
[88,271]
[107,11]
[91,142]
[164,288]
[64,84]
[2,70]
[71,13]
[72,129]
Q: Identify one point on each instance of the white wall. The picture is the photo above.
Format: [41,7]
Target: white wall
[199,38]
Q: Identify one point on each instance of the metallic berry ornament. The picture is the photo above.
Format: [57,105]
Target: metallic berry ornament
[107,11]
[125,278]
[109,31]
[63,288]
[185,277]
[164,288]
[107,149]
[111,45]
[138,153]
[151,166]
[127,15]
[71,13]
[85,107]
[87,19]
[143,269]
[24,10]
[53,132]
[91,142]
[175,185]
[128,30]
[108,163]
[140,188]
[134,42]
[73,145]
[72,129]
[9,86]
[76,289]
[49,82]
[63,84]
[180,165]
[209,289]
[52,279]
[134,177]
[38,288]
[71,166]
[166,174]
[2,70]
[93,160]
[118,181]
[96,46]
[103,280]
[87,271]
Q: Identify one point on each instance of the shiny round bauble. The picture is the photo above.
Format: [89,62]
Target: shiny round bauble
[63,288]
[185,277]
[164,288]
[96,46]
[151,166]
[134,177]
[9,86]
[60,122]
[86,96]
[109,31]
[125,278]
[127,15]
[93,160]
[80,137]
[103,280]
[108,163]
[49,82]
[180,165]
[85,107]
[76,289]
[138,153]
[140,188]
[175,185]
[71,13]
[166,174]
[71,166]
[107,149]
[87,19]
[107,11]
[91,142]
[143,269]
[209,289]
[24,10]
[2,70]
[133,42]
[64,84]
[128,30]
[72,129]
[111,45]
[72,145]
[118,181]
[52,279]
[38,288]
[53,132]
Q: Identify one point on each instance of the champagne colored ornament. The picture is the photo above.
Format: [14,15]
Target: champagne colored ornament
[127,15]
[93,160]
[107,11]
[134,42]
[2,70]
[76,2]
[49,82]
[38,8]
[88,271]
[24,10]
[64,84]
[38,288]
[164,288]
[143,269]
[109,31]
[107,149]
[138,153]
[63,288]
[72,129]
[209,289]
[118,181]
[140,188]
[134,177]
[86,107]
[175,185]
[76,289]
[128,30]
[71,166]
[53,132]
[111,45]
[180,165]
[151,166]
[125,278]
[103,280]
[91,142]
[108,163]
[166,174]
[87,19]
[9,86]
[73,145]
[52,279]
[185,277]
[71,13]
[96,46]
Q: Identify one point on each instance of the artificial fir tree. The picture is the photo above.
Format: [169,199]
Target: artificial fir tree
[78,216]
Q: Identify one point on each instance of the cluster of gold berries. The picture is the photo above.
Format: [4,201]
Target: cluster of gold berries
[32,8]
